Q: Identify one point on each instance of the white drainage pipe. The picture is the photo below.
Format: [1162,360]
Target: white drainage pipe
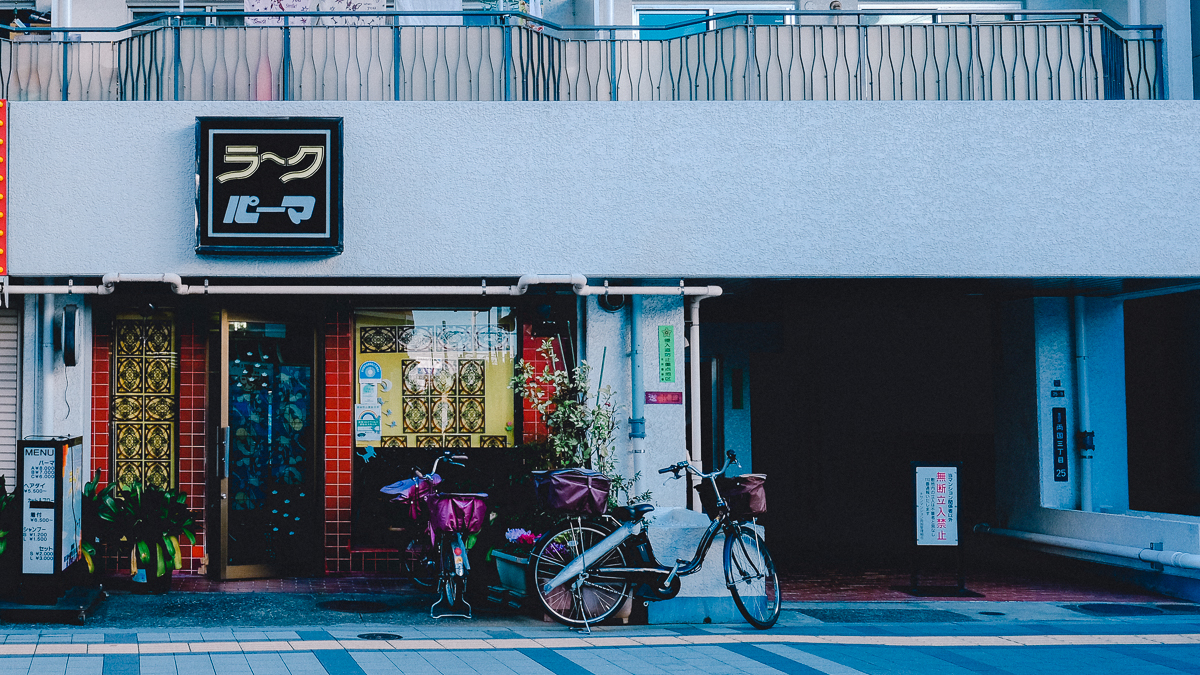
[1178,559]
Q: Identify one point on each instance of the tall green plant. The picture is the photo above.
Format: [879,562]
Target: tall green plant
[581,432]
[148,522]
[7,514]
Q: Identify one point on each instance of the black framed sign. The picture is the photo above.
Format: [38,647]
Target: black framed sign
[269,185]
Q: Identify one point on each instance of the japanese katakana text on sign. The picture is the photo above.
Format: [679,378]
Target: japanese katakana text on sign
[937,505]
[269,185]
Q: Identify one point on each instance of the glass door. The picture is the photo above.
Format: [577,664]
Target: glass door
[267,463]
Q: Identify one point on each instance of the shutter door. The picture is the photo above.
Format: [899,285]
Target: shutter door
[10,356]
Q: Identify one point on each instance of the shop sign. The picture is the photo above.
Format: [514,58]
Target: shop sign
[1059,418]
[368,422]
[666,353]
[937,505]
[664,397]
[269,185]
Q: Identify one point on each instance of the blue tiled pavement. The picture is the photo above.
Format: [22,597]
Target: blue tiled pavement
[1026,638]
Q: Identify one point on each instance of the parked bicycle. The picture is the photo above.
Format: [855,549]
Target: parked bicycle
[436,552]
[583,570]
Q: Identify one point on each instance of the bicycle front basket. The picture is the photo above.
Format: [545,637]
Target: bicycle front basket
[456,512]
[746,495]
[574,490]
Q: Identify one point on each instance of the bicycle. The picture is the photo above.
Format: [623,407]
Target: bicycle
[583,570]
[443,518]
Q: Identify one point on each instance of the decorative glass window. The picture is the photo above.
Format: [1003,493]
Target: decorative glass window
[439,377]
[145,402]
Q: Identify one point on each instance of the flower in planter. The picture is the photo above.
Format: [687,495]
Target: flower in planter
[519,535]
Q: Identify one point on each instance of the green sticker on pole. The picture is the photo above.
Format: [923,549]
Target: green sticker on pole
[666,353]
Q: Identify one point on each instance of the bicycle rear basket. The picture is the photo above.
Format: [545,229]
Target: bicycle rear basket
[746,495]
[580,491]
[451,512]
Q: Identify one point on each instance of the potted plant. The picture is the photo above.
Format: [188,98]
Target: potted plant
[147,521]
[581,427]
[580,432]
[513,558]
[9,527]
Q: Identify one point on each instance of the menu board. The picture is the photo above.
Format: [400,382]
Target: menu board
[37,513]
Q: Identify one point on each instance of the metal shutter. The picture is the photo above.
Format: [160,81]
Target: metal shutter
[10,356]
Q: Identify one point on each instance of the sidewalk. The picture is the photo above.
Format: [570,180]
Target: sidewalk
[374,626]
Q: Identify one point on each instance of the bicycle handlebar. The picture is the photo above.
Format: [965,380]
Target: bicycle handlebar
[686,466]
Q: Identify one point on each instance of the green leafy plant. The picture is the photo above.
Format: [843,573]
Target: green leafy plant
[147,521]
[94,528]
[7,514]
[581,428]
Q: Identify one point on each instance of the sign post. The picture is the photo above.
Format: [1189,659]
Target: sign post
[52,476]
[935,523]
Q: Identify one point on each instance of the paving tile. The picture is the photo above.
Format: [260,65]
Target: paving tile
[301,645]
[198,664]
[465,644]
[266,646]
[14,665]
[85,665]
[51,665]
[64,648]
[106,648]
[214,646]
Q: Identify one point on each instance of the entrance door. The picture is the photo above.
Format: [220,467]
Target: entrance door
[266,451]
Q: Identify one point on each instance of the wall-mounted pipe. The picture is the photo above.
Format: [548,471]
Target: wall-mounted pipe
[47,366]
[1085,438]
[578,283]
[1178,559]
[697,429]
[637,408]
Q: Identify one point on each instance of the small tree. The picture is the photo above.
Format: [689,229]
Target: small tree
[581,433]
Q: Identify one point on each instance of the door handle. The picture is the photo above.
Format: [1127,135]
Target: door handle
[223,451]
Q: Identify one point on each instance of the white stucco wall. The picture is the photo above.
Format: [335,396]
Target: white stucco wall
[1104,332]
[71,387]
[665,424]
[644,190]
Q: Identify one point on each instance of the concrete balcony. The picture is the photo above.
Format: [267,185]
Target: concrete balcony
[790,56]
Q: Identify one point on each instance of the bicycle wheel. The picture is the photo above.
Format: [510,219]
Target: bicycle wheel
[750,576]
[589,598]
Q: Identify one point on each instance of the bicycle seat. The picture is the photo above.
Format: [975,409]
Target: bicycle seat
[632,512]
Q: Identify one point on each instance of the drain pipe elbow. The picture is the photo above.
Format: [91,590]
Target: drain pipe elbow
[108,283]
[577,281]
[177,285]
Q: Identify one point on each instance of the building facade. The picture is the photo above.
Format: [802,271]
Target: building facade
[833,289]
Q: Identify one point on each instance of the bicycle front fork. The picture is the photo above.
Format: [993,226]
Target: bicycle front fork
[452,581]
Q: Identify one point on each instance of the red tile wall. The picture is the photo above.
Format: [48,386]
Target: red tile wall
[339,410]
[193,409]
[532,429]
[101,387]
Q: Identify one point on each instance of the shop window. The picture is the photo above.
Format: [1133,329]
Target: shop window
[439,377]
[435,379]
[145,400]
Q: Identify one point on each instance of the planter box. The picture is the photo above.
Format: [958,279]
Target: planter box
[512,571]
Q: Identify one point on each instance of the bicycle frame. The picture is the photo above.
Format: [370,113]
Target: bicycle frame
[636,527]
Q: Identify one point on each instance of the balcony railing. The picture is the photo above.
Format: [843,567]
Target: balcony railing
[783,56]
